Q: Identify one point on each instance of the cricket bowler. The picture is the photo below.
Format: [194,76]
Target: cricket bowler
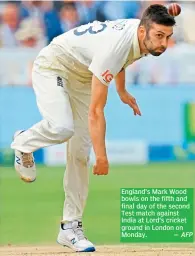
[70,78]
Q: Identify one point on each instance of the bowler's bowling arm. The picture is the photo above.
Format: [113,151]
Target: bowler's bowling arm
[97,122]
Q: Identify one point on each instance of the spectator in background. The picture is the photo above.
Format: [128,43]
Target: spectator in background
[46,14]
[29,34]
[9,25]
[69,17]
[32,9]
[51,21]
[90,10]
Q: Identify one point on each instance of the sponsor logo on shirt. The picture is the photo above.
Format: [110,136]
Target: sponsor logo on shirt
[107,76]
[120,25]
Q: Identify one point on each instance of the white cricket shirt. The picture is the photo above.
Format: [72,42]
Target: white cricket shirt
[99,48]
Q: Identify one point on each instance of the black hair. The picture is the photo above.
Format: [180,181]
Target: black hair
[158,14]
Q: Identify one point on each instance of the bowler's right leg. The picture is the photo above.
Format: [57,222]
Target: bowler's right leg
[56,127]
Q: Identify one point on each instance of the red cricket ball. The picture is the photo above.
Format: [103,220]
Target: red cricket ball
[174,9]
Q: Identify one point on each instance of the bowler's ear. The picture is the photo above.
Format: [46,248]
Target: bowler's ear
[142,30]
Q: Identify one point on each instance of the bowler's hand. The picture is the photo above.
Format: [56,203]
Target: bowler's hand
[101,167]
[131,101]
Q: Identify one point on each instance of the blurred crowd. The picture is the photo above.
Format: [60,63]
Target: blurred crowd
[36,23]
[30,25]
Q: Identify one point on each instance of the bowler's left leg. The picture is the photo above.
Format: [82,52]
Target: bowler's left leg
[76,179]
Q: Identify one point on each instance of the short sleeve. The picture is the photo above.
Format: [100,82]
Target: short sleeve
[108,62]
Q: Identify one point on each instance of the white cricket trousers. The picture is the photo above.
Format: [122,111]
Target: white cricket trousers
[64,106]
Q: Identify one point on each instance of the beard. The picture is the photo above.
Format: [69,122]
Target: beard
[154,53]
[149,46]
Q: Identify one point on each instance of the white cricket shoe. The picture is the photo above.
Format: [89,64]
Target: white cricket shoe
[24,164]
[71,235]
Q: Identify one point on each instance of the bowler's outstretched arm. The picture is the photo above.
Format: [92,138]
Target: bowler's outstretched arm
[97,125]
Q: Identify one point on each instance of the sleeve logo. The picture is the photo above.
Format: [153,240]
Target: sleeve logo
[107,77]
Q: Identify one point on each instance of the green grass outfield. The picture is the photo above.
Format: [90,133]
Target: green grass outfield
[30,213]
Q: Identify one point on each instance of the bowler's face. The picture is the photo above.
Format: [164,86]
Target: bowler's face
[157,38]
